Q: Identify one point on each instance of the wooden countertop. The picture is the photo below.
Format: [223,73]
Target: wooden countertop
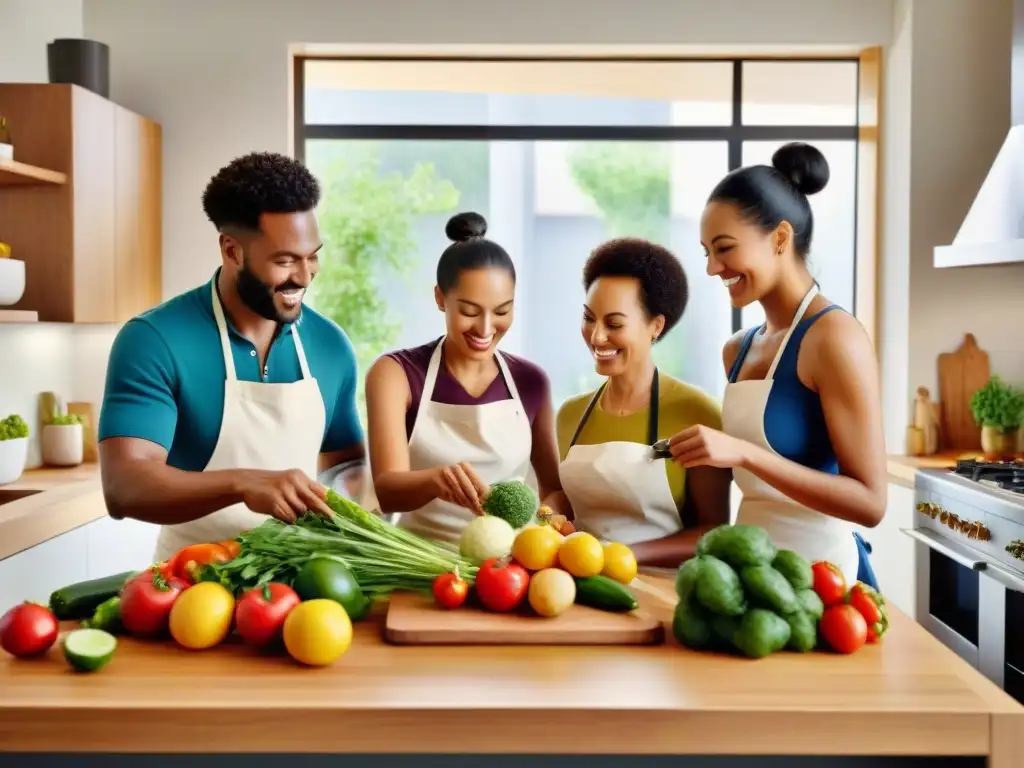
[907,696]
[47,502]
[903,468]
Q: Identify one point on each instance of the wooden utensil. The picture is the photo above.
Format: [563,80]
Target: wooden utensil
[961,374]
[87,413]
[414,619]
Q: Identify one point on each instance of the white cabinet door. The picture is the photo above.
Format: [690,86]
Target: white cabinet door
[116,546]
[892,554]
[36,572]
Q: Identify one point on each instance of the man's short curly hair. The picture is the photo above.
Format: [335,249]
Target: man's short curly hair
[663,286]
[258,183]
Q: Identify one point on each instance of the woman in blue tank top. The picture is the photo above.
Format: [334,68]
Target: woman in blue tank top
[802,426]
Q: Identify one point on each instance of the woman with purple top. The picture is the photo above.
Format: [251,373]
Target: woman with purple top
[451,417]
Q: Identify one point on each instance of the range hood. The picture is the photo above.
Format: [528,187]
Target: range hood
[993,231]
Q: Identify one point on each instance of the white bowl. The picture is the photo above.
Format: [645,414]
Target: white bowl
[13,454]
[62,445]
[12,281]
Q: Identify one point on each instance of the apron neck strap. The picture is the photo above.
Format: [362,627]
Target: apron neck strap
[222,330]
[808,298]
[652,413]
[437,358]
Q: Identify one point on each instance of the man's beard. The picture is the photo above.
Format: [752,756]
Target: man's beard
[259,297]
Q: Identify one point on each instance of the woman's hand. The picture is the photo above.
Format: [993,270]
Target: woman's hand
[700,446]
[459,484]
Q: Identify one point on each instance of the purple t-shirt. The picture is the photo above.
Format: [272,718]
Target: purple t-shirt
[531,381]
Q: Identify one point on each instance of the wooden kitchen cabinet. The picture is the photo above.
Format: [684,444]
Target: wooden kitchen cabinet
[91,242]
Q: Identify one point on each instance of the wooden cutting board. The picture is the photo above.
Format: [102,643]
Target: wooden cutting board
[88,414]
[961,374]
[414,619]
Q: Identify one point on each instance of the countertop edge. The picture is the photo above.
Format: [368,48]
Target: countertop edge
[58,501]
[500,731]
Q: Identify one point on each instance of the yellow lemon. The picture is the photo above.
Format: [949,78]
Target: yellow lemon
[201,616]
[536,548]
[581,555]
[317,632]
[619,562]
[5,251]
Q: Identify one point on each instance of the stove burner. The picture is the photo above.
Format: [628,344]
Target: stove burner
[1008,475]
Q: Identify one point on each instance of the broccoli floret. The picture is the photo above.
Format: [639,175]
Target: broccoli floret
[13,427]
[513,501]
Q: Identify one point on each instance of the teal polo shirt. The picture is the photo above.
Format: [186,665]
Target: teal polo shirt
[165,377]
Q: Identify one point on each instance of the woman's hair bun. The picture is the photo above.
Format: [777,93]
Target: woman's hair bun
[465,226]
[803,166]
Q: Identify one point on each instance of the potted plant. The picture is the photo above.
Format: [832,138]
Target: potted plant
[63,443]
[998,409]
[13,448]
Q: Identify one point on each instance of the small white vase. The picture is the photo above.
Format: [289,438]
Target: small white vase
[62,445]
[13,454]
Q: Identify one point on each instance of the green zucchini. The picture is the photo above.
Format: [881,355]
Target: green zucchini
[79,601]
[604,593]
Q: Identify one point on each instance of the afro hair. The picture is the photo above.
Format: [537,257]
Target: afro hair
[258,183]
[663,286]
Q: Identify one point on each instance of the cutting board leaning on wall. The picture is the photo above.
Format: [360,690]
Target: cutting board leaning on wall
[961,374]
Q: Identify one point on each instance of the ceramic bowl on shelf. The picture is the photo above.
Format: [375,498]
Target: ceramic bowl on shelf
[12,281]
[13,454]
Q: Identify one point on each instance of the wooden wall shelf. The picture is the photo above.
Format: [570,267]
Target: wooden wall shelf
[15,174]
[89,229]
[18,316]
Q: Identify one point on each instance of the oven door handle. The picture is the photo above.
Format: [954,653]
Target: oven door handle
[1005,577]
[935,542]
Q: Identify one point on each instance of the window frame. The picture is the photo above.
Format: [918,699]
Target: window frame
[866,133]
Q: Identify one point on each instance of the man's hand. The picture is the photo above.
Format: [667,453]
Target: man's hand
[283,495]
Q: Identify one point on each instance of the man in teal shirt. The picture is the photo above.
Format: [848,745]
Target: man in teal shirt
[223,403]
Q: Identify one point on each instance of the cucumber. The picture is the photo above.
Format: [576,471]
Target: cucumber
[605,594]
[79,601]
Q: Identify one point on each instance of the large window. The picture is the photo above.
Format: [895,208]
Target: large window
[559,156]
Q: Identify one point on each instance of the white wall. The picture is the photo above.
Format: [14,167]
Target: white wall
[960,115]
[216,76]
[44,357]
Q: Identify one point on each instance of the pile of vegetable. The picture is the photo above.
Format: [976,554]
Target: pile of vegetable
[382,557]
[742,594]
[539,567]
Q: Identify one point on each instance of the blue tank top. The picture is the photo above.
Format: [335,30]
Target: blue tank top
[794,422]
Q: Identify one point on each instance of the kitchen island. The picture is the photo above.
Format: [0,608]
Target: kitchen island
[908,696]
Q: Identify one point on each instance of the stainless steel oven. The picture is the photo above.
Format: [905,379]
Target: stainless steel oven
[969,529]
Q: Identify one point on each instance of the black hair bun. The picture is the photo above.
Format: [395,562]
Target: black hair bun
[464,226]
[803,166]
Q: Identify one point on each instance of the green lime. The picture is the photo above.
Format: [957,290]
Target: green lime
[328,578]
[88,650]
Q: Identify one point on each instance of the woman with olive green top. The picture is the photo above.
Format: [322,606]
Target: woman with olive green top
[636,292]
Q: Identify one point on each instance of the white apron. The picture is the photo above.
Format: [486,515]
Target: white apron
[791,525]
[264,426]
[617,491]
[496,439]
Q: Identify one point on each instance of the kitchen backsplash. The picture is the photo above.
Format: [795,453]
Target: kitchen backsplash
[68,360]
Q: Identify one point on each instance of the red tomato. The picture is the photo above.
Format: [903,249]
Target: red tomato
[501,584]
[450,590]
[186,562]
[828,582]
[146,602]
[28,629]
[843,628]
[260,613]
[871,605]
